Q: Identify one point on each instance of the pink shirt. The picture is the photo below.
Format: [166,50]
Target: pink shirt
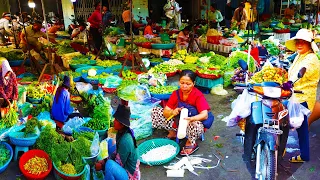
[95,19]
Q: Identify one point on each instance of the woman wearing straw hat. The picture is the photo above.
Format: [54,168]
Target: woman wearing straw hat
[303,44]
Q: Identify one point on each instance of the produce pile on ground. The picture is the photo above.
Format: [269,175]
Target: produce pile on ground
[163,89]
[64,48]
[270,73]
[11,54]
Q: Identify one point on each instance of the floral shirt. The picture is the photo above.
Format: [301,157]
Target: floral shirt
[9,91]
[308,84]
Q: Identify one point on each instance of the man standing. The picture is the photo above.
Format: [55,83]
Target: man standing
[214,16]
[95,21]
[228,13]
[4,27]
[106,16]
[173,13]
[30,35]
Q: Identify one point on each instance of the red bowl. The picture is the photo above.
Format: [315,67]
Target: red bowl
[30,154]
[214,39]
[208,76]
[171,74]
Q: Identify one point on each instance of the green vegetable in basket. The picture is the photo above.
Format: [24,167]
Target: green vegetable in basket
[85,134]
[163,68]
[35,92]
[209,71]
[4,154]
[162,89]
[107,63]
[192,67]
[236,56]
[127,74]
[156,60]
[31,124]
[68,169]
[10,119]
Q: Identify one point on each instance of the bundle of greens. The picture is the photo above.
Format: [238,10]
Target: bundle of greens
[4,154]
[10,119]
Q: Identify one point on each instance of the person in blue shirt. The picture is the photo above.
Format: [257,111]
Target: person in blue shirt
[61,108]
[106,16]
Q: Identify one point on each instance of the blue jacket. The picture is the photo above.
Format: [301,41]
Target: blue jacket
[61,109]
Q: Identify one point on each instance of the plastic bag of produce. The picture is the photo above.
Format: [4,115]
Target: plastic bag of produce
[218,90]
[95,145]
[241,108]
[112,81]
[296,112]
[83,87]
[72,124]
[103,149]
[142,126]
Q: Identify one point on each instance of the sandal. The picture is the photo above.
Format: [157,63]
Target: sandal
[194,148]
[296,159]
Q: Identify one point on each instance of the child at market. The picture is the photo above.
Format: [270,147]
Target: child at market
[124,163]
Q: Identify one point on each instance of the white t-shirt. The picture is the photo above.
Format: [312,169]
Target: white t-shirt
[82,35]
[4,24]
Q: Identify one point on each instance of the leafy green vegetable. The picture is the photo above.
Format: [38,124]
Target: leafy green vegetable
[10,119]
[85,134]
[236,56]
[4,154]
[30,126]
[163,89]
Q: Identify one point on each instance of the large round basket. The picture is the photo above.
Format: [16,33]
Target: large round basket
[154,143]
[208,76]
[61,175]
[31,154]
[4,167]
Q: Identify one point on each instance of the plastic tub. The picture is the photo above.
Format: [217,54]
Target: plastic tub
[33,100]
[161,96]
[5,166]
[30,154]
[18,139]
[91,160]
[163,46]
[61,175]
[76,66]
[15,63]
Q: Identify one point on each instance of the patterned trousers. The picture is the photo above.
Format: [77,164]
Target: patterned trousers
[194,130]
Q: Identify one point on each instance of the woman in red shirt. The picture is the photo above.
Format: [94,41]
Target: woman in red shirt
[95,21]
[186,97]
[148,30]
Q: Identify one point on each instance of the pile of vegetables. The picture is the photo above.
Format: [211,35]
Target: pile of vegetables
[156,60]
[10,119]
[4,154]
[126,83]
[12,55]
[31,125]
[269,73]
[236,56]
[64,48]
[173,62]
[128,74]
[76,61]
[239,76]
[213,32]
[192,67]
[180,54]
[159,153]
[85,134]
[210,71]
[163,68]
[36,165]
[44,106]
[107,63]
[271,47]
[68,169]
[34,91]
[163,89]
[28,79]
[141,39]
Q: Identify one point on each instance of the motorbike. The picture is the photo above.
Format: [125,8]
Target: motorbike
[267,127]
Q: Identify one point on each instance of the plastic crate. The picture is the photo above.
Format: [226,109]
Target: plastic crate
[208,83]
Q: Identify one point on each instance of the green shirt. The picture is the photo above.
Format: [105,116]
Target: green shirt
[215,16]
[128,153]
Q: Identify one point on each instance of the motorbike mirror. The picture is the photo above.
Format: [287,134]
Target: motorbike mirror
[302,72]
[283,114]
[243,64]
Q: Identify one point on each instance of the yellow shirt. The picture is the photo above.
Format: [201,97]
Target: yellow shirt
[308,84]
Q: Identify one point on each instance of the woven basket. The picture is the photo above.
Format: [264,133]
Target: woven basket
[154,143]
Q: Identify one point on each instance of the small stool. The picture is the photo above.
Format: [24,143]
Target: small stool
[18,149]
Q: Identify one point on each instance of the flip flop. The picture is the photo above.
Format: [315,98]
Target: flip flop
[296,159]
[194,149]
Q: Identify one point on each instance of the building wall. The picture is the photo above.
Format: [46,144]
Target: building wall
[4,6]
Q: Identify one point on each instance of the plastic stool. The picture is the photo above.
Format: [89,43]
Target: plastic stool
[18,149]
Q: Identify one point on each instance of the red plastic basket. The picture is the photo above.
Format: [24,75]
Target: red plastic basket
[30,154]
[146,45]
[75,101]
[171,74]
[109,90]
[208,76]
[214,39]
[282,30]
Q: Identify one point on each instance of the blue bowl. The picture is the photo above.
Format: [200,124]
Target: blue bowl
[15,63]
[4,167]
[165,59]
[27,74]
[33,100]
[161,96]
[77,79]
[91,81]
[18,139]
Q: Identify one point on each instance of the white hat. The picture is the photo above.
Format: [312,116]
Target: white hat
[303,34]
[228,1]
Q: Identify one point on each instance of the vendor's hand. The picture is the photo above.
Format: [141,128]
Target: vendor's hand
[176,111]
[190,118]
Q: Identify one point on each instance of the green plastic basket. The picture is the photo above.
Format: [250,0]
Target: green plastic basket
[154,143]
[208,83]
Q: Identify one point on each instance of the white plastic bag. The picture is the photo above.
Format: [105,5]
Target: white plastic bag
[241,108]
[103,149]
[296,113]
[95,145]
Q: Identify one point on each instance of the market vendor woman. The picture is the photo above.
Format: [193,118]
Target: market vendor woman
[186,97]
[61,108]
[8,85]
[125,165]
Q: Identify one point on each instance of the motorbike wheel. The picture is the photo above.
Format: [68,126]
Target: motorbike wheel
[267,164]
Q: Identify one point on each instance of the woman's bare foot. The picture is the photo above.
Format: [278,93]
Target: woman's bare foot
[172,134]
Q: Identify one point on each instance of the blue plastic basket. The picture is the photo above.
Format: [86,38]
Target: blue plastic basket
[27,74]
[161,96]
[154,143]
[15,63]
[33,100]
[18,139]
[4,167]
[92,63]
[163,46]
[91,81]
[91,160]
[77,79]
[154,63]
[98,68]
[61,175]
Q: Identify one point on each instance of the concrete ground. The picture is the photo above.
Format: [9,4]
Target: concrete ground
[228,148]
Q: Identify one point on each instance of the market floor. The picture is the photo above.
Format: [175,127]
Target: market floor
[228,148]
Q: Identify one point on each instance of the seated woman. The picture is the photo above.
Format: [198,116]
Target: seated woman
[183,37]
[186,97]
[79,33]
[61,109]
[8,85]
[148,30]
[126,163]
